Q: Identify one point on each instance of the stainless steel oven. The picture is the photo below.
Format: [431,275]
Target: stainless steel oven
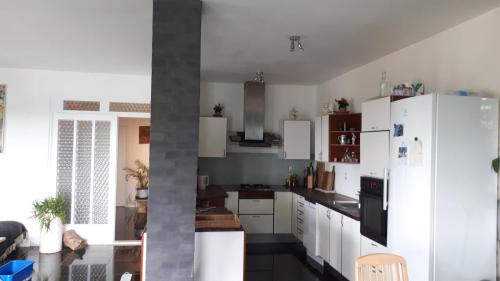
[373,198]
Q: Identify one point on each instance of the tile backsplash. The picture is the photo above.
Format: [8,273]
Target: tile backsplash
[250,168]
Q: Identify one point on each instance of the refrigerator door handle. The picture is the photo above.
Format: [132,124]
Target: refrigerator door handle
[385,189]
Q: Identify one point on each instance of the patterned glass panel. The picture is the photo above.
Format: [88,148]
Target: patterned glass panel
[79,272]
[129,107]
[98,272]
[81,105]
[101,172]
[64,182]
[83,172]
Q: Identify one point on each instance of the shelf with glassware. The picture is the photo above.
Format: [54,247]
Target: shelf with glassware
[344,135]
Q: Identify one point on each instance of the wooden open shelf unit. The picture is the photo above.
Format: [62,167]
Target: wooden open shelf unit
[336,128]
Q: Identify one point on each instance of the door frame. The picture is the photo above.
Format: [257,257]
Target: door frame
[118,116]
[88,228]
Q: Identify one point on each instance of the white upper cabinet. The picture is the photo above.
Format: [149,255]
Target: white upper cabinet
[283,212]
[376,115]
[323,232]
[321,138]
[296,139]
[351,246]
[375,151]
[212,137]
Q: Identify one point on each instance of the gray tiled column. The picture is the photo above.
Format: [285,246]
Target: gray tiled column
[175,93]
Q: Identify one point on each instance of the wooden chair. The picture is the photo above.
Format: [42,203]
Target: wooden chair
[381,267]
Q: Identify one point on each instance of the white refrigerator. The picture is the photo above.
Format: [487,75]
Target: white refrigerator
[442,213]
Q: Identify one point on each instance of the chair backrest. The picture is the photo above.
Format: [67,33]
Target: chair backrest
[381,267]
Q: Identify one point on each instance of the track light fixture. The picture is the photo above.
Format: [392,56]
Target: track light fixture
[295,39]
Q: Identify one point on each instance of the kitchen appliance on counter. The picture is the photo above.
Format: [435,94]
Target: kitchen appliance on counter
[203,182]
[373,199]
[443,197]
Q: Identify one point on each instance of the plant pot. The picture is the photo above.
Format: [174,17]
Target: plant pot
[142,193]
[217,114]
[51,240]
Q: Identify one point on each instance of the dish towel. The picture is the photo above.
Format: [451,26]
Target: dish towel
[126,277]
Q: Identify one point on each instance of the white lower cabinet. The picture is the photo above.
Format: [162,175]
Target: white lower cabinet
[323,232]
[294,215]
[282,212]
[256,207]
[336,241]
[351,246]
[369,246]
[231,202]
[257,223]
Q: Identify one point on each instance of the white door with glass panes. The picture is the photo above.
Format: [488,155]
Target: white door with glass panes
[84,157]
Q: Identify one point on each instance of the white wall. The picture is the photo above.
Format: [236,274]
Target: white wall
[464,57]
[280,99]
[25,173]
[129,150]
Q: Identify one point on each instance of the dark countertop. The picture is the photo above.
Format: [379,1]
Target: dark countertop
[211,192]
[311,195]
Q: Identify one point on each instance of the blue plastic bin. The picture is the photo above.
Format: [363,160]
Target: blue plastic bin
[16,270]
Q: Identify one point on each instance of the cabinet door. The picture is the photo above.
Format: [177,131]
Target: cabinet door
[296,139]
[336,241]
[351,246]
[257,223]
[375,151]
[282,212]
[232,202]
[325,138]
[212,137]
[317,139]
[323,232]
[369,246]
[376,115]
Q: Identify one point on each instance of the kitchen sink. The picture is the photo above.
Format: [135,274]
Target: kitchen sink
[347,204]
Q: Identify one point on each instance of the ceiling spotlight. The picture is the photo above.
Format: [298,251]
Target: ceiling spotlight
[295,39]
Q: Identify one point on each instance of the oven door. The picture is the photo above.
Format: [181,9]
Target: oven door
[373,218]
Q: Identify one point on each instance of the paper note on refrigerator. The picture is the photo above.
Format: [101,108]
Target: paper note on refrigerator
[415,153]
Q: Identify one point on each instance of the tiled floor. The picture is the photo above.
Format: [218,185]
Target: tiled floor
[279,258]
[129,223]
[96,263]
[269,258]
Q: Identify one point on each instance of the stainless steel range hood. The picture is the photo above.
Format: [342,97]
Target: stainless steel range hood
[254,107]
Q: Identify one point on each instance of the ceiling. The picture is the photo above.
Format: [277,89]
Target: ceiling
[239,37]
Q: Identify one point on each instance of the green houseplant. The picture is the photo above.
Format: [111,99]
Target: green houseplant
[50,213]
[342,104]
[141,174]
[218,108]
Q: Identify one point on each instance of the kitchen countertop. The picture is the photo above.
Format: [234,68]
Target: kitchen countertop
[216,211]
[311,195]
[211,192]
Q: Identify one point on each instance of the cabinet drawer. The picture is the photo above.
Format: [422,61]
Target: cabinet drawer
[300,234]
[300,224]
[300,214]
[369,246]
[257,223]
[256,206]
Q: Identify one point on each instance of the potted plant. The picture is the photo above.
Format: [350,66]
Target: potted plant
[50,213]
[342,104]
[141,174]
[218,108]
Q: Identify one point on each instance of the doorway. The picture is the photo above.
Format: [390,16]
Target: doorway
[132,157]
